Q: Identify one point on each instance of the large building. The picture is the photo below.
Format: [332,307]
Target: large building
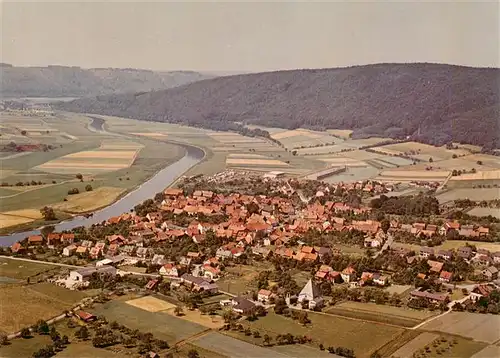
[85,273]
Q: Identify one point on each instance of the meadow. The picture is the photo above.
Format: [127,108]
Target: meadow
[380,313]
[469,325]
[332,331]
[38,301]
[111,164]
[476,194]
[21,270]
[432,345]
[160,324]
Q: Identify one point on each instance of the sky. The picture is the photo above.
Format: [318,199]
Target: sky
[248,36]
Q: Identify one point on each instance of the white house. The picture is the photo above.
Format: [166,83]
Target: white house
[264,295]
[69,250]
[169,270]
[210,272]
[103,262]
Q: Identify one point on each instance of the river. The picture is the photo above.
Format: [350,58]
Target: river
[147,190]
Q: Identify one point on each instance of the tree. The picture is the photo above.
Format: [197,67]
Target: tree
[82,333]
[65,339]
[479,162]
[23,132]
[193,353]
[48,213]
[42,327]
[79,176]
[385,225]
[256,334]
[73,191]
[3,340]
[25,332]
[431,160]
[267,339]
[178,311]
[88,187]
[228,316]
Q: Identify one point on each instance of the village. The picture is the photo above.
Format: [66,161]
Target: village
[254,245]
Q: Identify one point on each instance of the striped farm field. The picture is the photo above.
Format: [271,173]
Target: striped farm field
[266,162]
[296,132]
[344,162]
[103,153]
[483,175]
[415,174]
[17,217]
[152,135]
[245,155]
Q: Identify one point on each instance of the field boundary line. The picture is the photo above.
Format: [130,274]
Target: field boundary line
[353,318]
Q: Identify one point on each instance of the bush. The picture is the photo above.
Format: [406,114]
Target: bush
[73,191]
[79,176]
[88,187]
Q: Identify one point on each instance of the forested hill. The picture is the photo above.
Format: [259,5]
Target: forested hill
[431,103]
[62,81]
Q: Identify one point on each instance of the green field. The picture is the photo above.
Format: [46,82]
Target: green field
[153,156]
[380,313]
[27,304]
[332,331]
[22,269]
[82,349]
[161,325]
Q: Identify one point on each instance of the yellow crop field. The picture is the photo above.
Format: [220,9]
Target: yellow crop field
[99,159]
[17,217]
[103,154]
[153,135]
[421,174]
[245,155]
[90,200]
[270,162]
[150,304]
[54,165]
[294,133]
[483,175]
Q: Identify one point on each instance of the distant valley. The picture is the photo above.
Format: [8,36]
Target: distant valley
[63,81]
[430,103]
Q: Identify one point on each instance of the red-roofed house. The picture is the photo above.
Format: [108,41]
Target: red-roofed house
[445,276]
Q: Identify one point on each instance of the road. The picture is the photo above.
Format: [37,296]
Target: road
[388,243]
[152,275]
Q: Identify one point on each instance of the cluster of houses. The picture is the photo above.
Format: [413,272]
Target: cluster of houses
[481,258]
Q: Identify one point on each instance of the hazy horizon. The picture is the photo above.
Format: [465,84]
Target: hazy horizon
[241,37]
